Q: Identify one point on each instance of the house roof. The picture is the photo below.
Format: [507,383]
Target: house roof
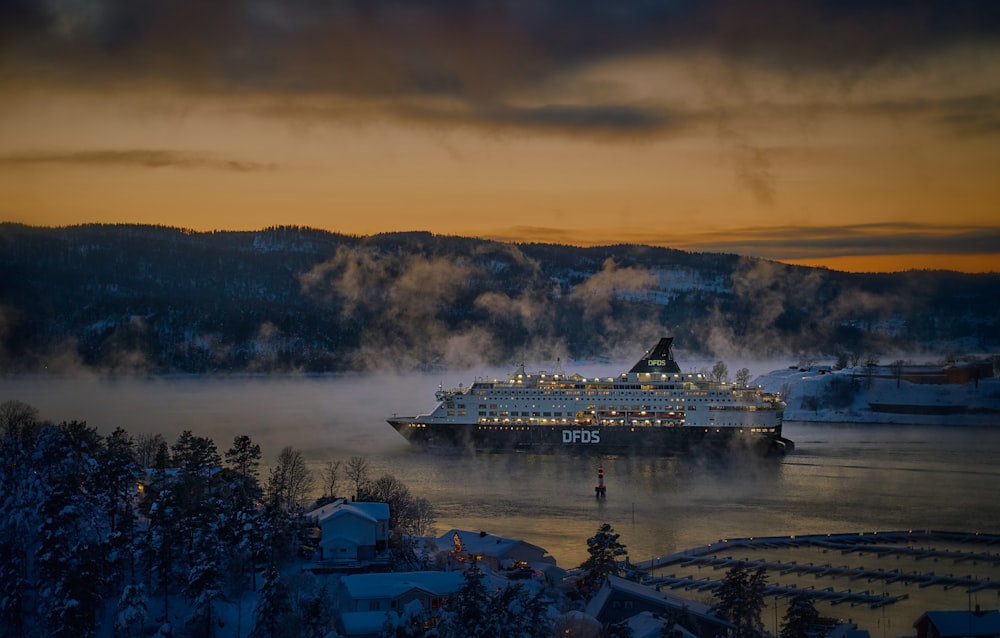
[483,544]
[371,511]
[395,584]
[646,625]
[964,623]
[639,591]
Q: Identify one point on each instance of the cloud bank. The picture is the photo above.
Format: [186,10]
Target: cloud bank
[501,65]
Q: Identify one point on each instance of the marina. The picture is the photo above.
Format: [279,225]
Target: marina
[960,549]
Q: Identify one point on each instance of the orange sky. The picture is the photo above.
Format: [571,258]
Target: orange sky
[696,128]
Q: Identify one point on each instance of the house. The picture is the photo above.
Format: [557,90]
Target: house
[351,532]
[649,625]
[495,552]
[959,624]
[365,600]
[620,599]
[847,630]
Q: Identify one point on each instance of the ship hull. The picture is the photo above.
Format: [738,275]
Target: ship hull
[590,439]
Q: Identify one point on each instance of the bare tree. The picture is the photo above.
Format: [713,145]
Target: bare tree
[330,475]
[357,473]
[743,377]
[149,447]
[16,417]
[720,372]
[290,481]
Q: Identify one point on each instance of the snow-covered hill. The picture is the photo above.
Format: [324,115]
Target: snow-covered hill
[863,395]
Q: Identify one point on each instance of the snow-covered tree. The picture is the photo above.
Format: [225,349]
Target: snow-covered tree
[272,607]
[119,474]
[800,617]
[604,551]
[741,600]
[21,491]
[69,556]
[513,612]
[467,615]
[133,611]
[315,613]
[410,622]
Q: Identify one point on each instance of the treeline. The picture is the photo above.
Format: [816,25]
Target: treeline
[113,530]
[151,299]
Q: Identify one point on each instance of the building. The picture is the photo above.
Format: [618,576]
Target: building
[959,624]
[495,552]
[620,599]
[365,601]
[351,532]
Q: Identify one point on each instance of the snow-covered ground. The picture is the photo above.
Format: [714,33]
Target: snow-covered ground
[818,393]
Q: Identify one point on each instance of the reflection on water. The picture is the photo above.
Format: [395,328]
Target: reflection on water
[841,478]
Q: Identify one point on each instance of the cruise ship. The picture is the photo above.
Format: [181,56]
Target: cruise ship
[654,408]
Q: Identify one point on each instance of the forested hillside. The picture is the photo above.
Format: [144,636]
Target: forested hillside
[149,299]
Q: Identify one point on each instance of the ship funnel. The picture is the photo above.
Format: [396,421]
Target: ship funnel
[659,360]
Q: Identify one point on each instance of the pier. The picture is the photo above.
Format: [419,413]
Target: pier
[914,545]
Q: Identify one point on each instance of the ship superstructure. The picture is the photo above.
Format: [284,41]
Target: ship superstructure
[654,408]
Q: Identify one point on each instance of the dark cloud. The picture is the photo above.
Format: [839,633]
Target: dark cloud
[135,158]
[797,242]
[800,242]
[480,54]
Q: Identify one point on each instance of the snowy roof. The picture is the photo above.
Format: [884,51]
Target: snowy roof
[848,630]
[648,593]
[372,511]
[483,544]
[646,625]
[395,584]
[964,623]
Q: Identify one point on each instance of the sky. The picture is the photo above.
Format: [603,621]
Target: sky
[859,135]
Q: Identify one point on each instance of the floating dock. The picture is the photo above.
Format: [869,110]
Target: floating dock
[915,545]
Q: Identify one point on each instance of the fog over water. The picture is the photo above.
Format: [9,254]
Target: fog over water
[840,478]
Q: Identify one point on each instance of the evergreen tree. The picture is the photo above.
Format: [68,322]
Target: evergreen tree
[21,492]
[741,600]
[800,617]
[243,533]
[603,551]
[69,554]
[133,611]
[410,622]
[512,612]
[468,608]
[164,540]
[316,615]
[119,474]
[272,607]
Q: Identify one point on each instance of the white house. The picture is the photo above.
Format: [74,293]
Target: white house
[495,552]
[351,532]
[365,601]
